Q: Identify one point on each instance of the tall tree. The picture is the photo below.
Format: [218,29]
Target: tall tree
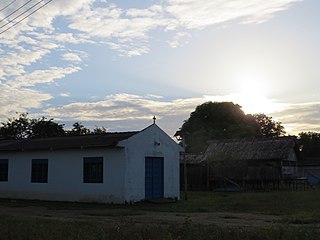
[224,120]
[215,120]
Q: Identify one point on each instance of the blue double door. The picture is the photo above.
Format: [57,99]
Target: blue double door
[153,177]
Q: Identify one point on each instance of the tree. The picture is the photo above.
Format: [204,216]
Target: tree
[44,127]
[310,144]
[99,130]
[24,127]
[267,127]
[215,120]
[17,128]
[224,120]
[79,129]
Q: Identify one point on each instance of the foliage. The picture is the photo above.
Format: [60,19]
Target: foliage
[310,143]
[225,120]
[44,127]
[17,128]
[99,130]
[78,130]
[23,127]
[267,127]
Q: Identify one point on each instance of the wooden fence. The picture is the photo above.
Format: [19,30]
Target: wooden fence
[198,180]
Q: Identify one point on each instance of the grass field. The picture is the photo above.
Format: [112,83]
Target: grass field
[295,215]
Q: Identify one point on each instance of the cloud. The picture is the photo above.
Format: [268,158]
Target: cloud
[65,94]
[125,111]
[180,39]
[42,76]
[123,106]
[198,14]
[46,17]
[29,49]
[71,57]
[125,30]
[75,56]
[19,100]
[132,112]
[25,53]
[300,117]
[128,31]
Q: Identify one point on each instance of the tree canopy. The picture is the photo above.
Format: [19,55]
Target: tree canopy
[23,127]
[267,127]
[17,128]
[310,143]
[79,129]
[44,127]
[225,120]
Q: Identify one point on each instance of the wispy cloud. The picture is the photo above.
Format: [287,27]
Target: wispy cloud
[197,14]
[42,76]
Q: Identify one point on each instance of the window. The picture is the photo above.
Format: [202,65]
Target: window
[3,170]
[93,170]
[39,171]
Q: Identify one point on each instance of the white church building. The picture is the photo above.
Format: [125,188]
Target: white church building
[110,168]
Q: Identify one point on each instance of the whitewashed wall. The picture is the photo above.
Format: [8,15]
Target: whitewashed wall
[151,142]
[123,176]
[65,176]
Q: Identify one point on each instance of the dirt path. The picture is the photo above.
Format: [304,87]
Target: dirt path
[145,217]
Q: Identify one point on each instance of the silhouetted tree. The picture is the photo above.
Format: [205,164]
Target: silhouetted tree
[215,120]
[44,127]
[267,127]
[25,127]
[224,120]
[79,129]
[99,130]
[310,144]
[17,128]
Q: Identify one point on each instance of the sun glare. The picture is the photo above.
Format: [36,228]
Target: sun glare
[251,93]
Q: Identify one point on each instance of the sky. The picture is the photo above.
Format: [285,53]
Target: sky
[118,63]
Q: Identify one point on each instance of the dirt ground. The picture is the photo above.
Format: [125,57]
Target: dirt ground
[111,216]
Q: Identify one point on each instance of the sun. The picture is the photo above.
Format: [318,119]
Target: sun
[250,86]
[251,91]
